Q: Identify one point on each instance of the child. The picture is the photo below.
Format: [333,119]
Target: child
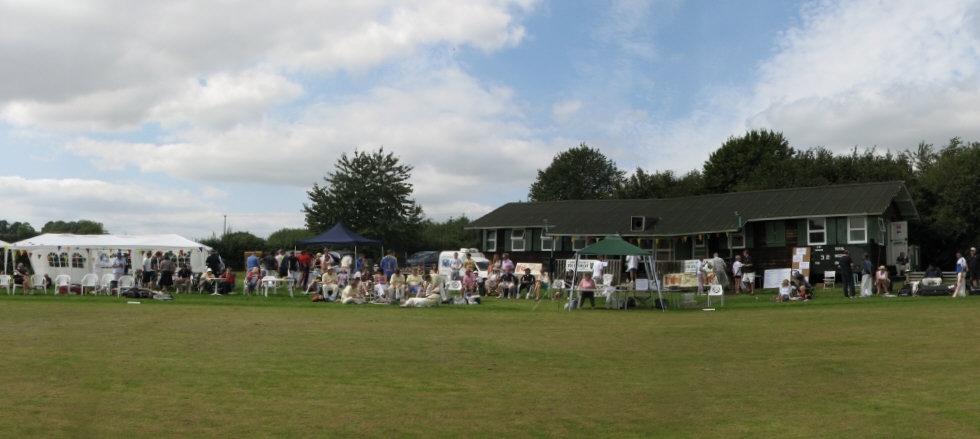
[785,290]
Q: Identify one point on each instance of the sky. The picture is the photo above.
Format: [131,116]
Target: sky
[194,117]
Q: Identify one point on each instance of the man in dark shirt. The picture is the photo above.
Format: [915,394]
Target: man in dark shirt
[844,265]
[508,285]
[748,271]
[527,283]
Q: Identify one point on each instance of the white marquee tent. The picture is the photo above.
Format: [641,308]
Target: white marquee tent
[78,255]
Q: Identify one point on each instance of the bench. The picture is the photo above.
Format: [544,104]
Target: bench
[916,276]
[948,279]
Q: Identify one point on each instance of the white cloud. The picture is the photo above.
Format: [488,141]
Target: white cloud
[561,111]
[122,207]
[854,74]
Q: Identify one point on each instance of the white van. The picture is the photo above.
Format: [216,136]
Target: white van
[446,257]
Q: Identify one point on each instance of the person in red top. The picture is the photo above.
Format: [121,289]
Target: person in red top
[252,280]
[304,259]
[227,284]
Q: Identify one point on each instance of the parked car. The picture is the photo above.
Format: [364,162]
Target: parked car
[429,258]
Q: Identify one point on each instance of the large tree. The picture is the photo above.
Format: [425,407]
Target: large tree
[80,227]
[757,160]
[945,194]
[370,193]
[642,185]
[581,173]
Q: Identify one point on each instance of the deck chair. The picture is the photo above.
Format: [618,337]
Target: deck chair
[91,282]
[829,278]
[716,291]
[62,280]
[642,292]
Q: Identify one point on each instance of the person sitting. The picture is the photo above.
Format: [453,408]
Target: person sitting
[22,277]
[313,287]
[933,276]
[901,264]
[469,282]
[183,278]
[352,294]
[541,284]
[396,285]
[430,296]
[380,284]
[527,284]
[207,280]
[342,277]
[507,285]
[252,280]
[785,291]
[227,282]
[493,281]
[882,282]
[586,288]
[330,283]
[414,283]
[802,286]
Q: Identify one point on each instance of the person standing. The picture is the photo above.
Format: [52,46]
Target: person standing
[118,266]
[973,268]
[867,276]
[455,265]
[737,274]
[252,262]
[845,266]
[632,266]
[961,271]
[506,264]
[149,269]
[389,265]
[703,268]
[166,272]
[748,271]
[597,268]
[718,265]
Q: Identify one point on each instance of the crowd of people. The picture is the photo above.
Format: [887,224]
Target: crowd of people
[355,280]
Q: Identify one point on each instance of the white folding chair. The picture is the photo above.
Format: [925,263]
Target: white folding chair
[716,291]
[62,280]
[828,279]
[90,281]
[607,279]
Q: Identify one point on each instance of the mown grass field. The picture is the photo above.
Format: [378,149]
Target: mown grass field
[244,367]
